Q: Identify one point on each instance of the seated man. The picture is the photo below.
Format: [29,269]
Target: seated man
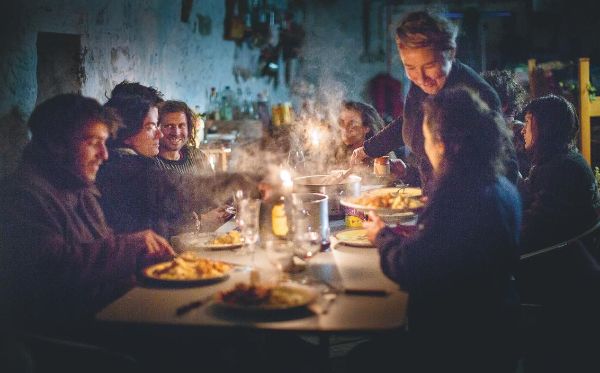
[176,121]
[60,262]
[137,194]
[560,195]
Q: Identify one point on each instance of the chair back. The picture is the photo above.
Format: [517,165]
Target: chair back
[567,273]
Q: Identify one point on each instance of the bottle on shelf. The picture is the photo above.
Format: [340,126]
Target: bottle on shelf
[213,111]
[227,104]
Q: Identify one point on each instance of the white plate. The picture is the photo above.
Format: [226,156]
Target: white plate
[354,237]
[408,191]
[150,274]
[204,240]
[394,214]
[299,296]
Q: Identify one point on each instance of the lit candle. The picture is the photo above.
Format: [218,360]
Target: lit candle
[286,181]
[315,137]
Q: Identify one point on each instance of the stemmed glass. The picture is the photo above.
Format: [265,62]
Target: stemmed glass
[281,256]
[296,160]
[248,221]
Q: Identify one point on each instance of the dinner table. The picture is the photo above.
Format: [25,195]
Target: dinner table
[352,296]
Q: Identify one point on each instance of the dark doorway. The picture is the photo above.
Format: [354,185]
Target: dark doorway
[59,64]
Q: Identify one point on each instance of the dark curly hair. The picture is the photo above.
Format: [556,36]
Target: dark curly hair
[474,136]
[56,120]
[557,125]
[127,88]
[132,110]
[368,115]
[172,106]
[512,94]
[427,29]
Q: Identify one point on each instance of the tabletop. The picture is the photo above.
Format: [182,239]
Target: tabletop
[341,267]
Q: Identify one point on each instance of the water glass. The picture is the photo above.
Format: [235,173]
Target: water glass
[248,222]
[281,255]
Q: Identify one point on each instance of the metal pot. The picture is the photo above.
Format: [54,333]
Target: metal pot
[349,187]
[314,206]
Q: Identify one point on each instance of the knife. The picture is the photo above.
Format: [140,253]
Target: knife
[182,310]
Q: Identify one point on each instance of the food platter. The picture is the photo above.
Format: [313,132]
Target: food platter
[223,241]
[259,298]
[401,203]
[407,191]
[186,270]
[354,237]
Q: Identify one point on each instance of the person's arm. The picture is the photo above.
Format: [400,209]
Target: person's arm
[385,141]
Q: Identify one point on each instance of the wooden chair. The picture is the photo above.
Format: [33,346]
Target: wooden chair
[587,107]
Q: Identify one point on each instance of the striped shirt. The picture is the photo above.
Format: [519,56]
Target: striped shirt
[192,161]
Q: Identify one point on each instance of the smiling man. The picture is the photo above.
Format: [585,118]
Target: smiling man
[59,260]
[176,122]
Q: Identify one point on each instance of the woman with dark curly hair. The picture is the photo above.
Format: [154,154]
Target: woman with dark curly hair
[457,264]
[560,196]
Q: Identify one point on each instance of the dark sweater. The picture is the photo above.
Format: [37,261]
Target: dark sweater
[408,129]
[60,262]
[457,268]
[560,200]
[192,161]
[137,195]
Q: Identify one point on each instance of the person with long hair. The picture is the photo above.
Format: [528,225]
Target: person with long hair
[560,196]
[457,264]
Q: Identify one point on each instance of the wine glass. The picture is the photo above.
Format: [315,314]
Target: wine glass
[281,255]
[296,160]
[248,221]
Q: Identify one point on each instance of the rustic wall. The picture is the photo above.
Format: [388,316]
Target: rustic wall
[137,40]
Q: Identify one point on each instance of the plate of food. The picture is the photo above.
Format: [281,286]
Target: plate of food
[223,241]
[187,269]
[411,192]
[354,237]
[387,202]
[261,298]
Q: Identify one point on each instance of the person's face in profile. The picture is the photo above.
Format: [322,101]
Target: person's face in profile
[427,68]
[174,127]
[90,151]
[528,131]
[146,141]
[434,148]
[351,126]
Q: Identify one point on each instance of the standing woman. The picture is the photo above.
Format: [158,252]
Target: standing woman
[458,264]
[427,46]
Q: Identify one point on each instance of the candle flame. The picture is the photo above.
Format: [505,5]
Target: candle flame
[286,179]
[315,136]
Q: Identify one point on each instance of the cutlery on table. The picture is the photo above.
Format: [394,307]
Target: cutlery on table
[182,310]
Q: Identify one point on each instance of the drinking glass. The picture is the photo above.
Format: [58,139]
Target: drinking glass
[248,222]
[307,239]
[281,255]
[296,160]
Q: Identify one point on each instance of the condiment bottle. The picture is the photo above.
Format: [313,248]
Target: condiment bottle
[381,166]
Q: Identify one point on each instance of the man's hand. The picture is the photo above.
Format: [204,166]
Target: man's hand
[358,155]
[151,245]
[214,218]
[373,226]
